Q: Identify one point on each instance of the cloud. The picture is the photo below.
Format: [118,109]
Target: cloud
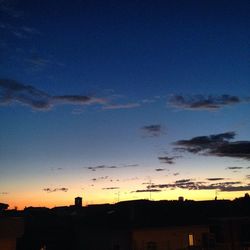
[78,99]
[51,190]
[13,91]
[147,190]
[100,178]
[4,193]
[234,168]
[166,159]
[111,166]
[248,176]
[201,102]
[235,189]
[121,106]
[114,180]
[160,169]
[38,63]
[100,167]
[175,174]
[130,165]
[8,7]
[216,179]
[230,186]
[183,181]
[22,32]
[153,130]
[110,188]
[216,145]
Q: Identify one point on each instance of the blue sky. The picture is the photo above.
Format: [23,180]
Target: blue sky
[99,97]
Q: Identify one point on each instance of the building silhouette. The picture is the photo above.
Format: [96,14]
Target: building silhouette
[78,201]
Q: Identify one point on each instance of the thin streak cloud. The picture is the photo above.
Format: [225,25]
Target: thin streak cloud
[12,91]
[202,102]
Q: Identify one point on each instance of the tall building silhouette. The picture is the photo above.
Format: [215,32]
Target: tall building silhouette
[78,201]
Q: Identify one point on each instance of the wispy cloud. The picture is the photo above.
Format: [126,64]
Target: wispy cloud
[8,7]
[216,145]
[4,193]
[51,190]
[101,178]
[216,179]
[100,167]
[160,169]
[234,168]
[193,185]
[147,190]
[201,102]
[121,106]
[153,130]
[166,159]
[12,91]
[21,32]
[110,188]
[94,168]
[183,181]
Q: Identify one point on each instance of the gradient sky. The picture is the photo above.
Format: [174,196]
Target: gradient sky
[119,100]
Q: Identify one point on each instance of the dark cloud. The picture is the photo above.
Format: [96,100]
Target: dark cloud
[175,174]
[235,189]
[131,165]
[191,185]
[201,143]
[238,149]
[201,102]
[248,176]
[216,145]
[147,190]
[160,169]
[114,180]
[166,159]
[234,168]
[51,190]
[110,188]
[100,167]
[216,179]
[182,181]
[13,91]
[101,178]
[78,99]
[111,166]
[153,130]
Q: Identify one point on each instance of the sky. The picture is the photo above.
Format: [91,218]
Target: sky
[123,100]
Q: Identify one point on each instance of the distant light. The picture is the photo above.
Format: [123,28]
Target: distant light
[190,240]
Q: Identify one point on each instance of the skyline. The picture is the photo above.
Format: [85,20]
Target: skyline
[126,100]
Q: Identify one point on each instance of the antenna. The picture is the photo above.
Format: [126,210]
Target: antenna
[118,196]
[216,194]
[150,183]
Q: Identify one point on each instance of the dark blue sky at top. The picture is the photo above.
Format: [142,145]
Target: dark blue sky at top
[133,54]
[147,47]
